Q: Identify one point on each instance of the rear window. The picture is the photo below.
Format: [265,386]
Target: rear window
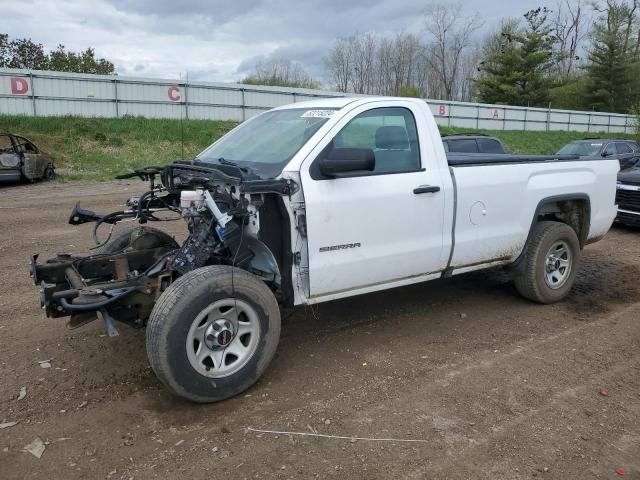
[463,145]
[490,145]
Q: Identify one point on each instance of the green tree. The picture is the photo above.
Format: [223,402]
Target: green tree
[517,63]
[61,60]
[570,93]
[5,50]
[280,73]
[610,83]
[412,92]
[24,53]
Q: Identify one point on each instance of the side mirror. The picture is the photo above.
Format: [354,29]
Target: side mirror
[345,160]
[606,154]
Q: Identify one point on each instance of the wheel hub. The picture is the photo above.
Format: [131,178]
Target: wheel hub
[558,265]
[223,337]
[219,334]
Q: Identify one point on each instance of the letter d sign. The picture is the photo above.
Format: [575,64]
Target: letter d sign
[19,86]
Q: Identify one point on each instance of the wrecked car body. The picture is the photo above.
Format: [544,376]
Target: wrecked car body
[21,159]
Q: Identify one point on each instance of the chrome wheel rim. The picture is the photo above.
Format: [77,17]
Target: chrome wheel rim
[558,265]
[223,337]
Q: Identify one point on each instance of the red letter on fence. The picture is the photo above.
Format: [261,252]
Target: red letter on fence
[496,114]
[174,94]
[19,86]
[442,110]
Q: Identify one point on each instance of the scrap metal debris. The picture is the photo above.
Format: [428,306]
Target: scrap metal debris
[340,437]
[45,363]
[7,424]
[35,448]
[23,393]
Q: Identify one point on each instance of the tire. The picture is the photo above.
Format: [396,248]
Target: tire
[137,238]
[49,173]
[173,344]
[546,273]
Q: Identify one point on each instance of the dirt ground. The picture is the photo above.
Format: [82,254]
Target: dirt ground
[497,387]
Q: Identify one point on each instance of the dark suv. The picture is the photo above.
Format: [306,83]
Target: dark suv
[626,151]
[472,143]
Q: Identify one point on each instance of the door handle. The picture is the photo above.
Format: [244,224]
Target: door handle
[426,189]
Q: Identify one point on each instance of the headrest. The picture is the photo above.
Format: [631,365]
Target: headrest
[392,138]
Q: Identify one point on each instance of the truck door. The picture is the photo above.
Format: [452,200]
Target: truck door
[374,227]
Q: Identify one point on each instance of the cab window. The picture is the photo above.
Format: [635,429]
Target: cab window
[392,135]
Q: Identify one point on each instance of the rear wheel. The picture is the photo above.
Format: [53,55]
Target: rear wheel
[548,269]
[213,333]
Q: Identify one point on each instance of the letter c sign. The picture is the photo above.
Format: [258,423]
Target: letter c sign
[174,93]
[19,86]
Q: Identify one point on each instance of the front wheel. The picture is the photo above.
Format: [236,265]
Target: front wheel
[213,333]
[548,269]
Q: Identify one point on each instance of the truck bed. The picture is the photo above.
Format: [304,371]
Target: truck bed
[479,159]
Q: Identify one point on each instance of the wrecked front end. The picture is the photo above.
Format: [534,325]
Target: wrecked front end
[221,206]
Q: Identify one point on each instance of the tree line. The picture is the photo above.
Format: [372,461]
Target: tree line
[576,56]
[579,55]
[24,53]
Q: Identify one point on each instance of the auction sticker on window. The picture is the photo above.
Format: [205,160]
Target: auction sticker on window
[318,114]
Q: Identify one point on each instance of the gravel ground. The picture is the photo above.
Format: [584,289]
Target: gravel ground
[494,386]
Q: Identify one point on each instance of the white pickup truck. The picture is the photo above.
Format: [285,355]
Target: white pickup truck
[312,202]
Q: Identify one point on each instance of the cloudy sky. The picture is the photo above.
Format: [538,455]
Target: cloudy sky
[221,40]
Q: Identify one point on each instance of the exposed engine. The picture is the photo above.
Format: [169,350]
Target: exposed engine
[221,207]
[213,234]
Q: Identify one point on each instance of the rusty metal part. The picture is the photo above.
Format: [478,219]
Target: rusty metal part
[121,267]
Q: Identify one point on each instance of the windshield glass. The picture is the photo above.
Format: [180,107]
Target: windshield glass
[266,143]
[581,148]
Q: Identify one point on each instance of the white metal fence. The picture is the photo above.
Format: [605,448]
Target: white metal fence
[40,93]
